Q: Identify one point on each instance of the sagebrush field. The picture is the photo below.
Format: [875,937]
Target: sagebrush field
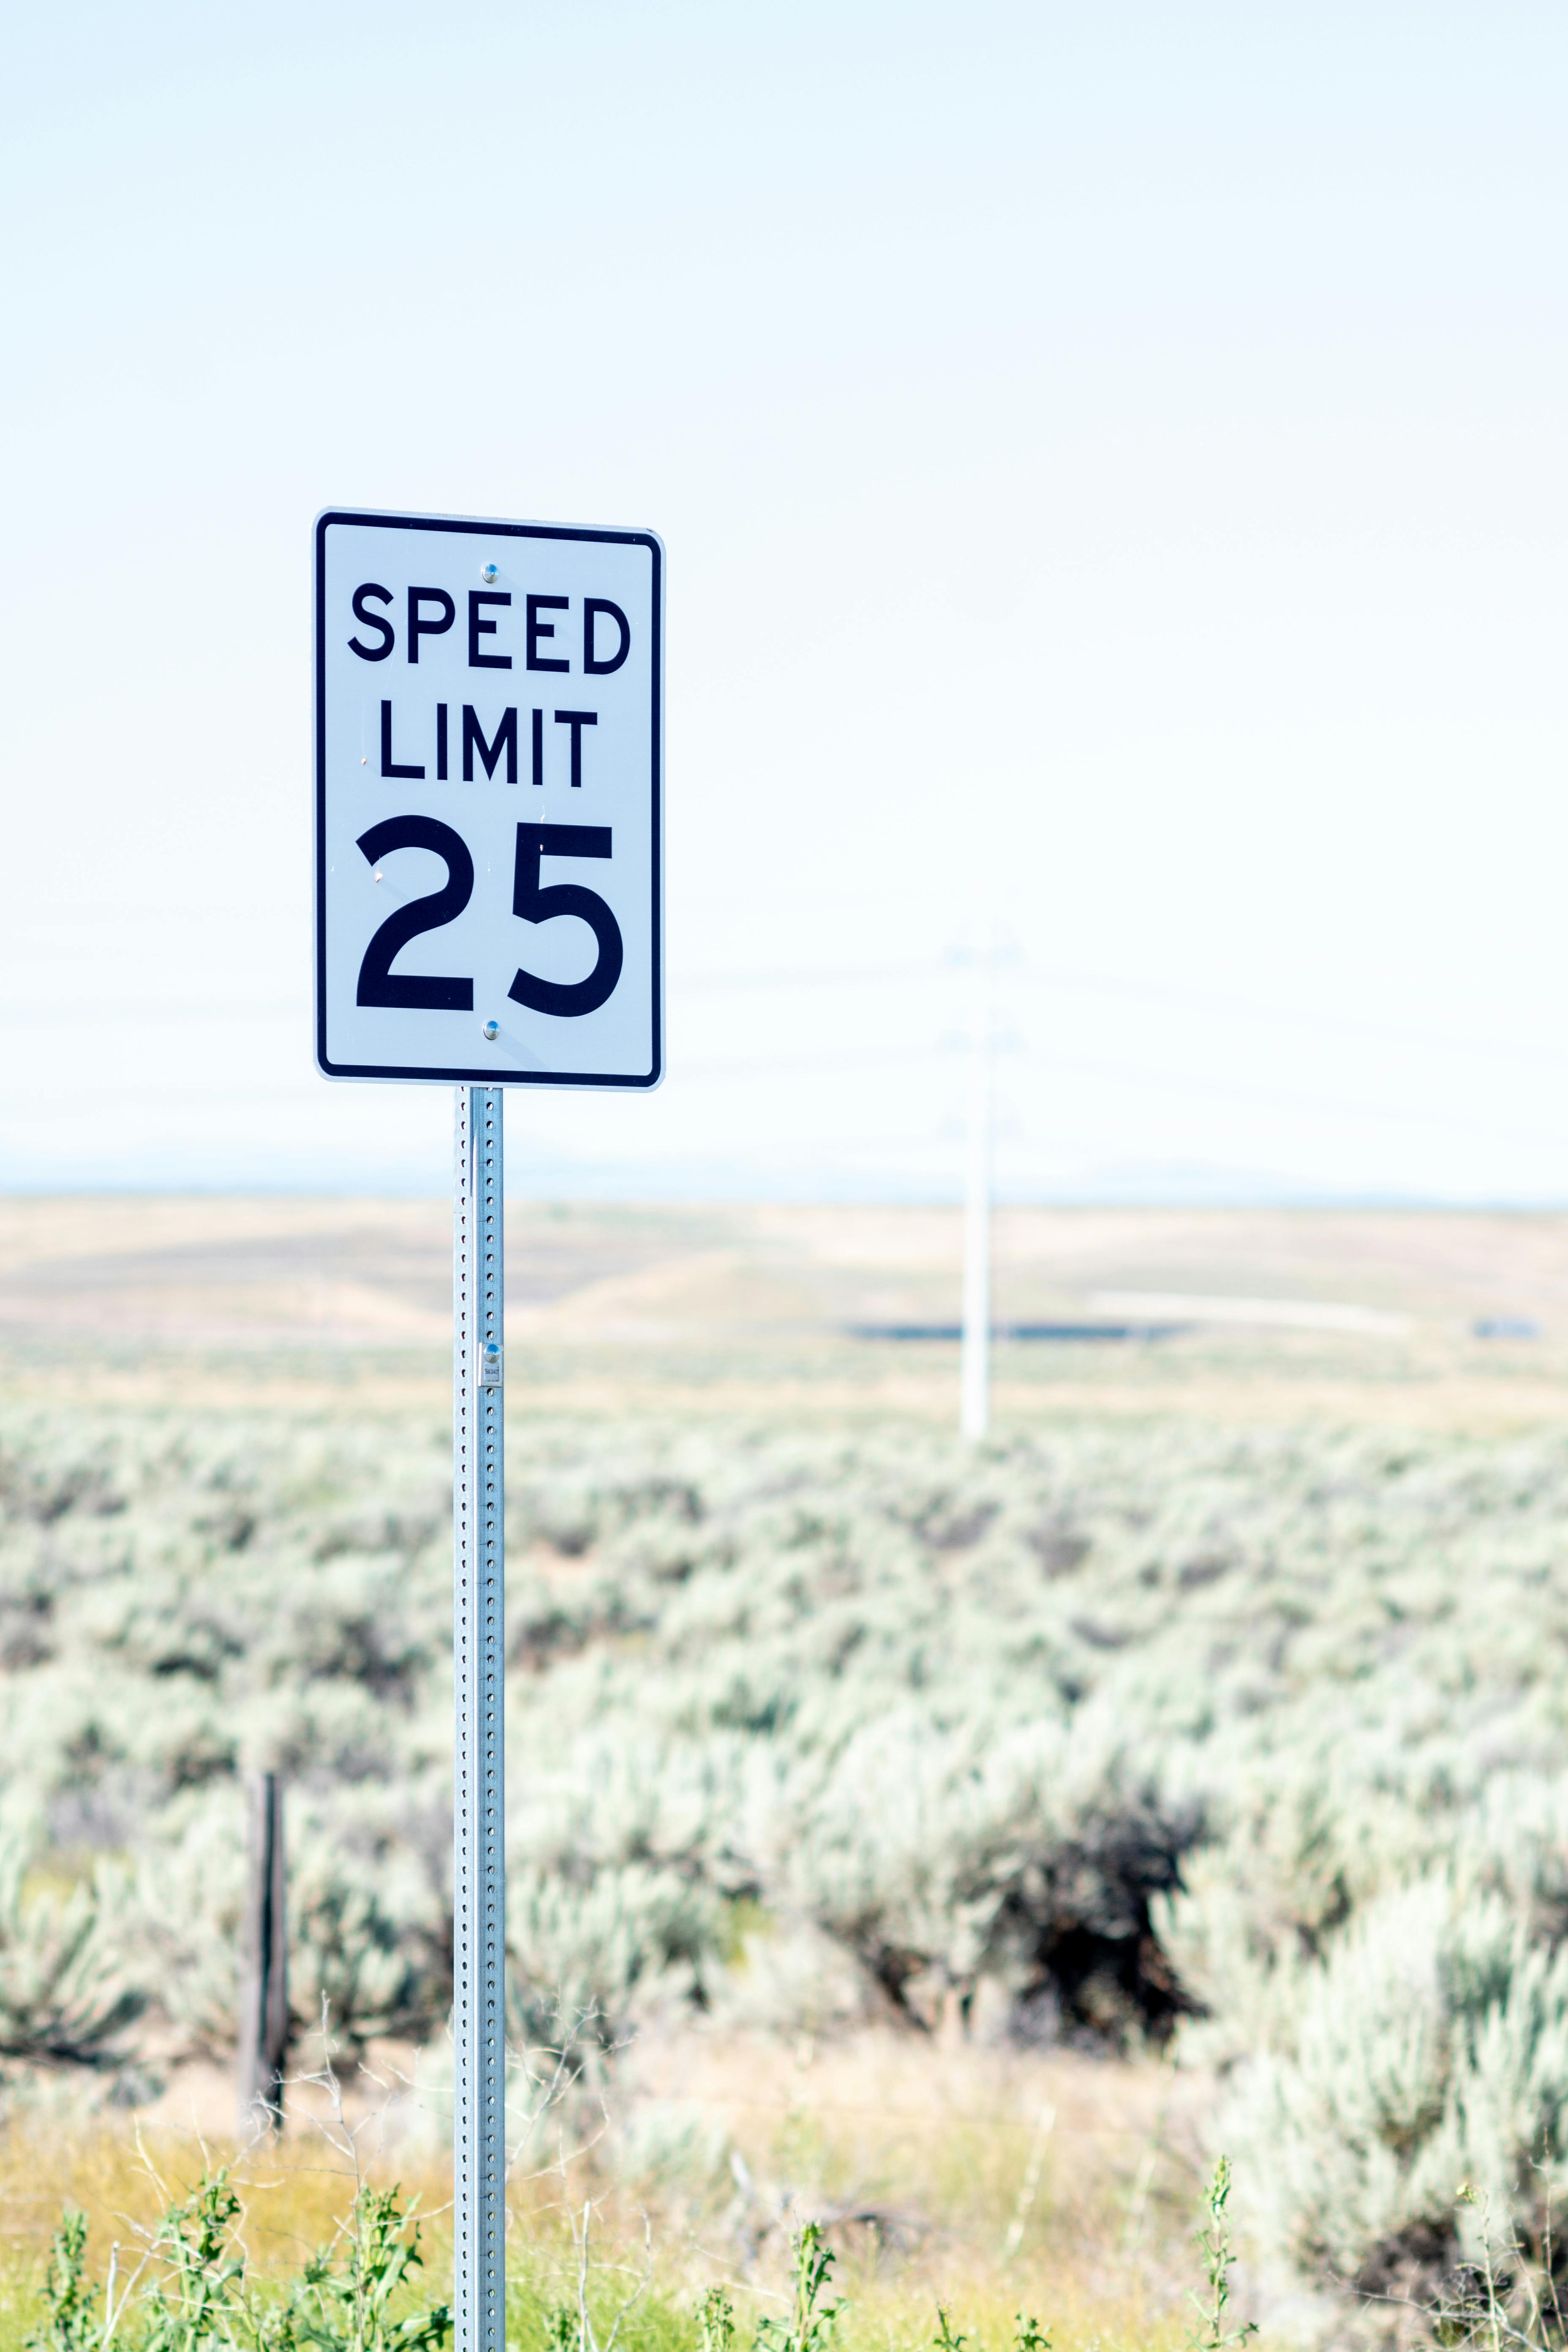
[964,1847]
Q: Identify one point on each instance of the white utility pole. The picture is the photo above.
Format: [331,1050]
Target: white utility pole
[974,1358]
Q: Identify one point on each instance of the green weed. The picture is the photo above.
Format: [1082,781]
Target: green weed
[809,2323]
[1214,2245]
[199,2296]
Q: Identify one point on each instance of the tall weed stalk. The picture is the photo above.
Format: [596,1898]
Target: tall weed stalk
[1215,2245]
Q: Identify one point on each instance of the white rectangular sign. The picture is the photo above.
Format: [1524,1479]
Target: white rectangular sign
[489,770]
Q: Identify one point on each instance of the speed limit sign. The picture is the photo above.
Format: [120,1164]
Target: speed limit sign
[489,718]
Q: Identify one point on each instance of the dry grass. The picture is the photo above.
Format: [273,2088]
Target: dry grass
[989,2181]
[997,2176]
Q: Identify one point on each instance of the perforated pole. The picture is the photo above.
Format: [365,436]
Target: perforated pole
[478,1926]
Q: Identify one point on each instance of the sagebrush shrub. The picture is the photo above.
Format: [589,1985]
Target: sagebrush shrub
[1110,1726]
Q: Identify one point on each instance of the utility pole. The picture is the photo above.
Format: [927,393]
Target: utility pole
[975,1356]
[263,1976]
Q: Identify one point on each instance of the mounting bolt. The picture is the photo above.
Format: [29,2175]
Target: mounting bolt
[491,1030]
[488,572]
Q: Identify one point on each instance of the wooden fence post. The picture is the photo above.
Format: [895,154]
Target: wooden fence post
[264,1965]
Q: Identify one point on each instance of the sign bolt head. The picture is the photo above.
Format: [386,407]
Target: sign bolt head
[492,1031]
[488,572]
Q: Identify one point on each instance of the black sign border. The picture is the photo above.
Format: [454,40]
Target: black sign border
[490,1076]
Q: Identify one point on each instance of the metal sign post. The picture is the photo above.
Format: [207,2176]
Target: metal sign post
[489,912]
[479,1810]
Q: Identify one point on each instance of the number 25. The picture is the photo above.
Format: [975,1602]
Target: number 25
[569,998]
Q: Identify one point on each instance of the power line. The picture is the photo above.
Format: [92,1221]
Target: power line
[1492,1046]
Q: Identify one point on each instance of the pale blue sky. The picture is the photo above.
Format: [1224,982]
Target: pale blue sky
[1110,461]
